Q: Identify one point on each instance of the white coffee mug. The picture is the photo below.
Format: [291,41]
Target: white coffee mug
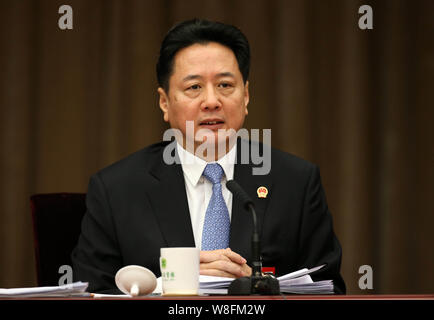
[180,271]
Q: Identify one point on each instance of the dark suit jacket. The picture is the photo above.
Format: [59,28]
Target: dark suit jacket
[139,205]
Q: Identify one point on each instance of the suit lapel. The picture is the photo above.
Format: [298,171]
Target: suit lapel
[241,222]
[169,200]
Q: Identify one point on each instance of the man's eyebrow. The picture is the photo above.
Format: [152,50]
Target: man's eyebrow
[192,77]
[219,75]
[226,74]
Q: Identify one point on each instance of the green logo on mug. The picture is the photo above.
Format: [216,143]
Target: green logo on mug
[163,263]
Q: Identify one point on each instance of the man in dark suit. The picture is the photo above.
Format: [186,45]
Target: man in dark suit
[142,203]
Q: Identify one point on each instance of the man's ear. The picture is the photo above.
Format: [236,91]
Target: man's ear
[246,96]
[164,103]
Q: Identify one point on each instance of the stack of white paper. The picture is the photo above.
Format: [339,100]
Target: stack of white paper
[214,285]
[298,282]
[68,290]
[318,287]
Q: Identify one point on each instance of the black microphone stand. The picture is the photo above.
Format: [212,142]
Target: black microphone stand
[258,283]
[256,245]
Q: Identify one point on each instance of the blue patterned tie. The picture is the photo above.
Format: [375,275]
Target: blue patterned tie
[215,234]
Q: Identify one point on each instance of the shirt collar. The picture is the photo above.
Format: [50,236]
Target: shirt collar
[193,166]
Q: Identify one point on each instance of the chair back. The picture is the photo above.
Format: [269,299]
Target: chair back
[56,227]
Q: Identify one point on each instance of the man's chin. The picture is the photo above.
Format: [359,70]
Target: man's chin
[212,149]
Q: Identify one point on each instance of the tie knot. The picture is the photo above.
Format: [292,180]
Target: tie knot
[213,172]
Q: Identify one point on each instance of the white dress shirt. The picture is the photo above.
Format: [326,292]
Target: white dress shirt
[199,188]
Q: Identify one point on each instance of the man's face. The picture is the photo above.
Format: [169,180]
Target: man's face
[206,87]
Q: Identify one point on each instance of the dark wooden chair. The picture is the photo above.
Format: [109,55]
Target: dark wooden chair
[56,227]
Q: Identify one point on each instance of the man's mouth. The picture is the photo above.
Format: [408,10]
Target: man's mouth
[211,122]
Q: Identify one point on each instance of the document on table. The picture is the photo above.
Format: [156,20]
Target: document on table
[76,289]
[298,282]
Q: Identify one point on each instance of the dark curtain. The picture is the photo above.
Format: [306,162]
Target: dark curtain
[356,102]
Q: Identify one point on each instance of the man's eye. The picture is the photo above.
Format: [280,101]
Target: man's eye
[225,85]
[194,87]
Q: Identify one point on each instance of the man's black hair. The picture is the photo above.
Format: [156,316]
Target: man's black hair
[194,31]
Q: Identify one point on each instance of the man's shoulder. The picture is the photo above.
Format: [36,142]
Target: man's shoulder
[280,160]
[139,160]
[284,158]
[286,166]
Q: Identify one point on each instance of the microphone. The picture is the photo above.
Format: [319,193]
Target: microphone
[258,283]
[239,193]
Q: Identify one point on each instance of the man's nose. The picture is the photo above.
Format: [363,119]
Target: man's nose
[211,99]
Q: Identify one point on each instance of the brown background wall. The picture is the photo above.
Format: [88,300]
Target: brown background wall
[358,103]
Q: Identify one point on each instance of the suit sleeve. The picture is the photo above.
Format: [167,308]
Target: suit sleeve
[318,243]
[96,258]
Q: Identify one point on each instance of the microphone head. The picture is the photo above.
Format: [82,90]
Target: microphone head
[237,191]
